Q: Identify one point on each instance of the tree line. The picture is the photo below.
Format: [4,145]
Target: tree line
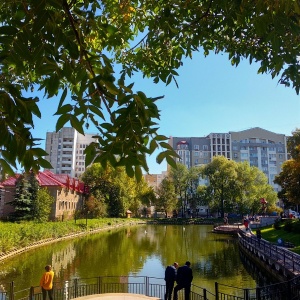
[222,185]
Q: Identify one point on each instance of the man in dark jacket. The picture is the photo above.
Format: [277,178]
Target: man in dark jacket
[170,277]
[184,280]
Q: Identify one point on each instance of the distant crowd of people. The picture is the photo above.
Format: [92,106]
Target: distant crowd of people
[183,276]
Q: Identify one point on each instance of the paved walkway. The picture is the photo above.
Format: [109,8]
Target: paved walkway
[117,296]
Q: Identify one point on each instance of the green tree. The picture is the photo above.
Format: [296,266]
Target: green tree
[25,197]
[166,200]
[222,176]
[252,186]
[113,192]
[293,144]
[104,198]
[42,205]
[179,177]
[233,185]
[289,177]
[72,49]
[289,180]
[193,177]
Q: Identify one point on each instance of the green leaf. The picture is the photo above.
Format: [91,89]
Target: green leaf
[44,163]
[62,120]
[96,111]
[160,138]
[38,152]
[129,171]
[6,168]
[165,145]
[63,97]
[153,146]
[138,173]
[75,123]
[64,109]
[171,162]
[8,30]
[90,153]
[160,157]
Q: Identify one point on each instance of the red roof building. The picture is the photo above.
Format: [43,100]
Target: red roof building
[68,194]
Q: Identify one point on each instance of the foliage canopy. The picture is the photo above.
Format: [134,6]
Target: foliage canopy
[289,177]
[73,48]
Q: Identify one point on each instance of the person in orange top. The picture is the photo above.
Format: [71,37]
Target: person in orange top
[46,283]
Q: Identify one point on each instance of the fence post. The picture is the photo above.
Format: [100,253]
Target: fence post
[12,292]
[258,293]
[246,294]
[75,287]
[66,290]
[204,294]
[147,286]
[31,293]
[217,290]
[99,285]
[289,290]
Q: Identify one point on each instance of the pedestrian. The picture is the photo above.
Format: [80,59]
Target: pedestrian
[46,283]
[184,280]
[170,277]
[258,235]
[246,223]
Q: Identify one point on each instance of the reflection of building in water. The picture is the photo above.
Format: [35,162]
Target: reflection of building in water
[61,259]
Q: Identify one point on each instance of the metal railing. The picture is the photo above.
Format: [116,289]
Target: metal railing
[154,287]
[288,259]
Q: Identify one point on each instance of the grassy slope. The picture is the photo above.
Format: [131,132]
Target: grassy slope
[272,235]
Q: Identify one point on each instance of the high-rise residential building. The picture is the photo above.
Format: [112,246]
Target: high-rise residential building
[65,150]
[261,148]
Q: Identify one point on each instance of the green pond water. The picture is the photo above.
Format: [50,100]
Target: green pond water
[142,250]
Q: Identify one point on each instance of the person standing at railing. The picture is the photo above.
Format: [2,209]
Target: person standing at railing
[46,283]
[170,277]
[184,280]
[258,235]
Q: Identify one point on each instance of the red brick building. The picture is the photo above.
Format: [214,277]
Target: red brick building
[67,192]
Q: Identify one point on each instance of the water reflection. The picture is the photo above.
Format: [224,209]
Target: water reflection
[134,250]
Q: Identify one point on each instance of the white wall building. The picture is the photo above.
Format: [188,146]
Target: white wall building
[65,150]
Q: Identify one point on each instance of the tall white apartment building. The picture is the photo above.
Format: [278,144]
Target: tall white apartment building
[65,150]
[261,148]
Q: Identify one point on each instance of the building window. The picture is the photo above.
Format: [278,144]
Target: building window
[196,153]
[205,147]
[196,147]
[235,155]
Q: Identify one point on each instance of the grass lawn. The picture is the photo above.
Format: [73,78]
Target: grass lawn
[271,234]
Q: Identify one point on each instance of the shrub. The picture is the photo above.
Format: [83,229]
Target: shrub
[296,226]
[277,224]
[288,226]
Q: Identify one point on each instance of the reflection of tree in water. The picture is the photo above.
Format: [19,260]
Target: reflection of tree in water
[116,255]
[127,250]
[26,269]
[222,263]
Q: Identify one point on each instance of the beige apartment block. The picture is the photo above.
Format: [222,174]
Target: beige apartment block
[263,149]
[155,180]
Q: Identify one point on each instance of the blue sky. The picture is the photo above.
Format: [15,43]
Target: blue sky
[213,96]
